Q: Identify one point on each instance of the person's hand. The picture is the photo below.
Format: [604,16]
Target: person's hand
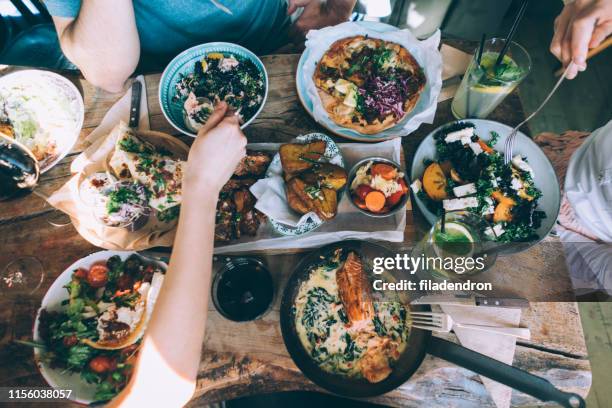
[582,24]
[318,14]
[216,152]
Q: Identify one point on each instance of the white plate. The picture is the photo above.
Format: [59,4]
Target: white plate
[67,136]
[545,178]
[82,392]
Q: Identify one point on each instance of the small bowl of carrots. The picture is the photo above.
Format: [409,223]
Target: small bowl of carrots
[378,187]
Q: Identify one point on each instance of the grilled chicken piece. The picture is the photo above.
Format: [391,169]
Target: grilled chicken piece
[253,164]
[224,230]
[354,290]
[236,184]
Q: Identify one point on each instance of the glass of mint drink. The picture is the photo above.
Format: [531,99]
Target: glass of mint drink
[485,85]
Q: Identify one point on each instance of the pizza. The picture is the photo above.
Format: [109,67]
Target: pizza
[368,84]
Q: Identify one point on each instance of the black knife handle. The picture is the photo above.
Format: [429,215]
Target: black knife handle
[513,377]
[502,302]
[135,104]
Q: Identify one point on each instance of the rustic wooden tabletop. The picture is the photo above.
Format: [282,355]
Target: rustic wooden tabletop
[242,359]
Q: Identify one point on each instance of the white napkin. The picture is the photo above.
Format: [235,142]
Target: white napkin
[425,52]
[497,346]
[120,111]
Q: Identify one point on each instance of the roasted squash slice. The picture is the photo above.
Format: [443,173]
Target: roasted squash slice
[434,182]
[503,210]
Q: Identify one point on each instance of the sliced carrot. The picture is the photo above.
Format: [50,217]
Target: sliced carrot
[386,171]
[484,146]
[375,201]
[501,198]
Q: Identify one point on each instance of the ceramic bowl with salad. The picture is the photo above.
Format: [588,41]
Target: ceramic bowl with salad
[378,187]
[460,166]
[199,78]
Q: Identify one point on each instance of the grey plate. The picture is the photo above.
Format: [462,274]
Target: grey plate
[545,178]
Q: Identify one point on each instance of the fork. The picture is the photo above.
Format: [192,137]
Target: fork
[444,323]
[510,140]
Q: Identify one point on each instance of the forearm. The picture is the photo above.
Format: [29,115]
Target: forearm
[170,356]
[103,42]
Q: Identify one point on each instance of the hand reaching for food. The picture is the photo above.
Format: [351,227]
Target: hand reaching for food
[318,14]
[583,24]
[216,152]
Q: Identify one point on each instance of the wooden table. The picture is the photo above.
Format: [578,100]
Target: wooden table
[241,359]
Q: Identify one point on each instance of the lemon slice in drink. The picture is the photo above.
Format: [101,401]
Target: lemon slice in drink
[455,241]
[491,89]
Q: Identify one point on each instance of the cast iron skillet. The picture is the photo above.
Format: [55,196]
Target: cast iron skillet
[420,342]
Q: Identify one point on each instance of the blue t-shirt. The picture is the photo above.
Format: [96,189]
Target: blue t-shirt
[168,27]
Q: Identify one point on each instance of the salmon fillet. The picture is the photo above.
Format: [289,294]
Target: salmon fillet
[354,290]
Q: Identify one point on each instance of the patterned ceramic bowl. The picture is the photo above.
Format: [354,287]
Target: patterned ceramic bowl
[183,64]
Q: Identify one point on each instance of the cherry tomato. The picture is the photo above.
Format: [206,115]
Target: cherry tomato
[102,364]
[395,198]
[80,273]
[97,276]
[124,282]
[362,191]
[402,183]
[70,341]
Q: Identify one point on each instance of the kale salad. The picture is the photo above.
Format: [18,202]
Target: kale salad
[220,77]
[469,174]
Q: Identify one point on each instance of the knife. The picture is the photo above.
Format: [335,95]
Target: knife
[135,104]
[471,300]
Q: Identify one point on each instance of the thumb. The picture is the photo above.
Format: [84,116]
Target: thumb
[214,119]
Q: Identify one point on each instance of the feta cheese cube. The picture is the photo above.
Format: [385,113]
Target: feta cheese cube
[521,164]
[475,148]
[416,186]
[460,203]
[496,231]
[488,200]
[457,135]
[464,190]
[494,182]
[466,140]
[516,184]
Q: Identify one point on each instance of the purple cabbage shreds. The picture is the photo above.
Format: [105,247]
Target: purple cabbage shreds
[384,97]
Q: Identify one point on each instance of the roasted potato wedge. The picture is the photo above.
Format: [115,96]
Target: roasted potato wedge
[323,201]
[296,158]
[327,175]
[294,200]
